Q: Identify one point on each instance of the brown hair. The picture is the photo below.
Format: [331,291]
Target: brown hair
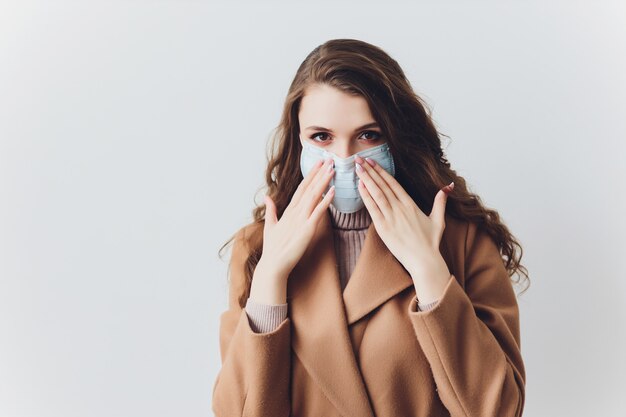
[359,68]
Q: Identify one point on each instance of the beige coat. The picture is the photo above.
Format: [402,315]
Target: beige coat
[367,351]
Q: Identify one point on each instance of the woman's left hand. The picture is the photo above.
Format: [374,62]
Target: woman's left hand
[412,236]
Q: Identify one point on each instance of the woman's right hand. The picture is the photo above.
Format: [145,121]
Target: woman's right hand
[285,240]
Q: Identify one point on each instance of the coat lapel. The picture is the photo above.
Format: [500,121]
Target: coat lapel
[321,313]
[377,277]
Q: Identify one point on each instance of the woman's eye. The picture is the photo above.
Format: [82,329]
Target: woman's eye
[317,134]
[378,135]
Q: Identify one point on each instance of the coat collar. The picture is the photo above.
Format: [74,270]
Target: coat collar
[321,313]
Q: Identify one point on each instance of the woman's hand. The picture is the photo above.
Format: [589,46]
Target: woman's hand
[412,236]
[285,240]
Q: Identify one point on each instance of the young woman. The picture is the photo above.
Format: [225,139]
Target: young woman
[372,282]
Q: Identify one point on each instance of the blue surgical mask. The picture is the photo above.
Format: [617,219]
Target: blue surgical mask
[347,198]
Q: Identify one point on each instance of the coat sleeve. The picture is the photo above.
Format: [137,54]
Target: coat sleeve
[255,367]
[471,337]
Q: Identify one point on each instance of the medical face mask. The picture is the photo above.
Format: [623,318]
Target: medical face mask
[347,198]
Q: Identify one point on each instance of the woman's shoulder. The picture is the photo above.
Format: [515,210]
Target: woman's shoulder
[461,235]
[456,228]
[461,229]
[470,240]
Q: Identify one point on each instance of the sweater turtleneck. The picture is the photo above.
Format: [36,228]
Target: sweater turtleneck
[349,232]
[358,220]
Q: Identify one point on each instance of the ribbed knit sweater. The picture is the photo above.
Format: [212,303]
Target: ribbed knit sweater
[349,231]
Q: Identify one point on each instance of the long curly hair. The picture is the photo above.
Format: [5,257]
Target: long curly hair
[358,68]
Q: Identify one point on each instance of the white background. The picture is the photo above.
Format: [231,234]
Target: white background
[132,145]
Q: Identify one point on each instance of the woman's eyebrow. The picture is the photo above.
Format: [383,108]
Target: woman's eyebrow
[372,124]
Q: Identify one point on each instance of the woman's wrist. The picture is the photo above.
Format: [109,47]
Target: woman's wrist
[268,285]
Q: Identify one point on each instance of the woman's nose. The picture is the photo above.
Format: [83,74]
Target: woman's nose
[344,151]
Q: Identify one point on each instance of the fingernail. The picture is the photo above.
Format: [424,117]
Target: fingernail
[370,161]
[359,168]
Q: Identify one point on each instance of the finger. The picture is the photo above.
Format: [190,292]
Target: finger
[307,180]
[320,209]
[391,181]
[437,214]
[374,190]
[313,194]
[380,182]
[370,204]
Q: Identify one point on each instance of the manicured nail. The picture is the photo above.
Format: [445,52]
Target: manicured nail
[370,161]
[359,168]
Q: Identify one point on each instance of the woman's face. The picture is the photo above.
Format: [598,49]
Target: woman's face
[337,122]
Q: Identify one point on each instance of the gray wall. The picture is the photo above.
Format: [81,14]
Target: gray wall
[132,142]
